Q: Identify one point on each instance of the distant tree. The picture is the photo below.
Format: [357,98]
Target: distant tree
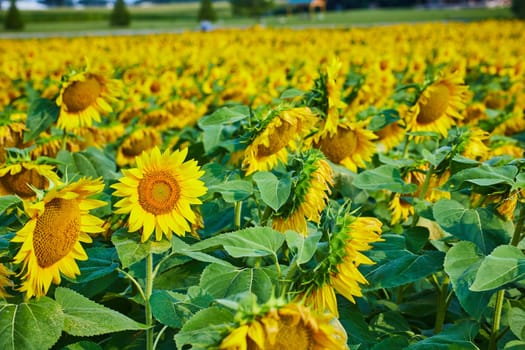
[120,16]
[518,7]
[254,8]
[206,11]
[13,18]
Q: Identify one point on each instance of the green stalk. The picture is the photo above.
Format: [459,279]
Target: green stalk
[237,215]
[424,189]
[442,303]
[497,320]
[516,237]
[147,294]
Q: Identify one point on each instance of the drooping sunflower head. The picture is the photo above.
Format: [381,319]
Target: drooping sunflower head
[51,238]
[12,127]
[21,178]
[290,326]
[351,146]
[159,192]
[84,97]
[184,112]
[5,281]
[438,106]
[309,195]
[401,209]
[280,131]
[336,269]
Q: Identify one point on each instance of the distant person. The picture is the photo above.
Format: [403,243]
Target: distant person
[206,26]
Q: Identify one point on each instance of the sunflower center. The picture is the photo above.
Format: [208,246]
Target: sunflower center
[159,192]
[277,140]
[19,183]
[56,231]
[435,106]
[81,94]
[339,146]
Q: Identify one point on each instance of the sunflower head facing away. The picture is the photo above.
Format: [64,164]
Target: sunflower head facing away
[159,192]
[290,326]
[22,177]
[438,107]
[84,97]
[309,194]
[51,238]
[5,281]
[280,132]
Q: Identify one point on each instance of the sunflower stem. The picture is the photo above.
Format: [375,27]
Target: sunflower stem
[157,339]
[237,215]
[518,230]
[442,303]
[494,335]
[148,292]
[135,283]
[424,189]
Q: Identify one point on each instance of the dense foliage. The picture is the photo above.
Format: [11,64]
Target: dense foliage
[206,11]
[13,19]
[260,187]
[120,16]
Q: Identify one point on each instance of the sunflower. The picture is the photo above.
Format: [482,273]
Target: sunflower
[5,281]
[270,145]
[309,195]
[159,192]
[390,136]
[84,97]
[292,326]
[400,208]
[140,140]
[51,239]
[438,107]
[21,177]
[351,146]
[338,271]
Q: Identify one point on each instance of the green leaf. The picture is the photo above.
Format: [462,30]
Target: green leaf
[211,137]
[515,345]
[517,322]
[204,329]
[83,345]
[131,250]
[40,115]
[504,265]
[233,191]
[225,115]
[396,266]
[274,191]
[8,201]
[456,337]
[83,317]
[392,342]
[33,325]
[223,281]
[484,176]
[101,262]
[384,177]
[183,248]
[354,323]
[479,225]
[291,93]
[416,238]
[303,247]
[461,264]
[253,241]
[174,310]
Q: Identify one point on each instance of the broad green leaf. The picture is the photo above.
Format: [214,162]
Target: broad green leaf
[101,262]
[224,115]
[8,201]
[520,181]
[396,265]
[515,345]
[223,281]
[41,114]
[131,250]
[484,176]
[303,247]
[104,165]
[517,322]
[384,177]
[291,93]
[353,321]
[389,323]
[479,225]
[174,309]
[274,191]
[392,342]
[461,264]
[456,337]
[504,265]
[33,325]
[204,329]
[253,241]
[416,238]
[84,317]
[233,191]
[183,248]
[211,137]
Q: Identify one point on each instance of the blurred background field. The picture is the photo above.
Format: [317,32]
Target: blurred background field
[179,16]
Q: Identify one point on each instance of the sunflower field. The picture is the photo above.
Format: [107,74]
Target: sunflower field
[359,188]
